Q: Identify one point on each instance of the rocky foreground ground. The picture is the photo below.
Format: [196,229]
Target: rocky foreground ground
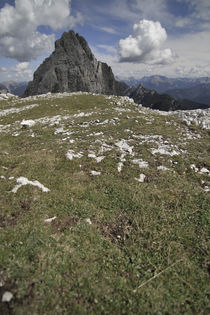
[104,207]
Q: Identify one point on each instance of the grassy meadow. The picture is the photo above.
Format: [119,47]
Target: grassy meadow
[124,227]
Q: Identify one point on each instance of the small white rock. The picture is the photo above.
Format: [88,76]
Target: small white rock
[206,189]
[194,168]
[204,170]
[88,221]
[7,296]
[141,178]
[162,168]
[27,123]
[141,163]
[94,173]
[71,155]
[50,220]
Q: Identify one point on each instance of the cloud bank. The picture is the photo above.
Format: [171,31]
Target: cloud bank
[144,46]
[19,35]
[19,72]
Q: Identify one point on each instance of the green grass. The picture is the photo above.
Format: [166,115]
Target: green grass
[147,249]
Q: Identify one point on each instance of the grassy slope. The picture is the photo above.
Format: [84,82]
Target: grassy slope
[146,250]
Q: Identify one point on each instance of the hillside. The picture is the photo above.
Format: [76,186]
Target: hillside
[104,207]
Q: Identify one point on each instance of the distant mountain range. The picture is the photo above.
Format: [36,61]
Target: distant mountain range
[199,93]
[152,99]
[162,84]
[16,88]
[194,89]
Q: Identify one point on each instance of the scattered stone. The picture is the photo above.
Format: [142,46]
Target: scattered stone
[50,219]
[141,163]
[120,166]
[121,163]
[141,178]
[104,147]
[124,146]
[88,221]
[199,117]
[165,150]
[59,130]
[97,158]
[94,173]
[22,181]
[14,110]
[194,168]
[163,168]
[15,134]
[7,297]
[71,155]
[204,170]
[27,123]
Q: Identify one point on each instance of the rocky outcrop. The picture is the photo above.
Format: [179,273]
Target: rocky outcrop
[72,67]
[199,117]
[5,96]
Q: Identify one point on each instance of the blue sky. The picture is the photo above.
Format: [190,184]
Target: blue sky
[135,37]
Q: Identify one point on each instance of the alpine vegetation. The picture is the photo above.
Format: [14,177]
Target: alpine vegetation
[104,206]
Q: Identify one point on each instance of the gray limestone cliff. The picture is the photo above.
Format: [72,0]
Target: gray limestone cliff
[72,67]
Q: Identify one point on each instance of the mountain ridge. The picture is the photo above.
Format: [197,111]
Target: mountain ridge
[73,67]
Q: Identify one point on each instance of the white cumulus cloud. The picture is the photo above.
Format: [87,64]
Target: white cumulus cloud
[21,71]
[145,45]
[19,35]
[21,66]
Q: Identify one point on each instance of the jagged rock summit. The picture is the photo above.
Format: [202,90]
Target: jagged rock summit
[73,67]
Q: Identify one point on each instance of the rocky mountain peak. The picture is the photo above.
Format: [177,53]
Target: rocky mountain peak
[73,67]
